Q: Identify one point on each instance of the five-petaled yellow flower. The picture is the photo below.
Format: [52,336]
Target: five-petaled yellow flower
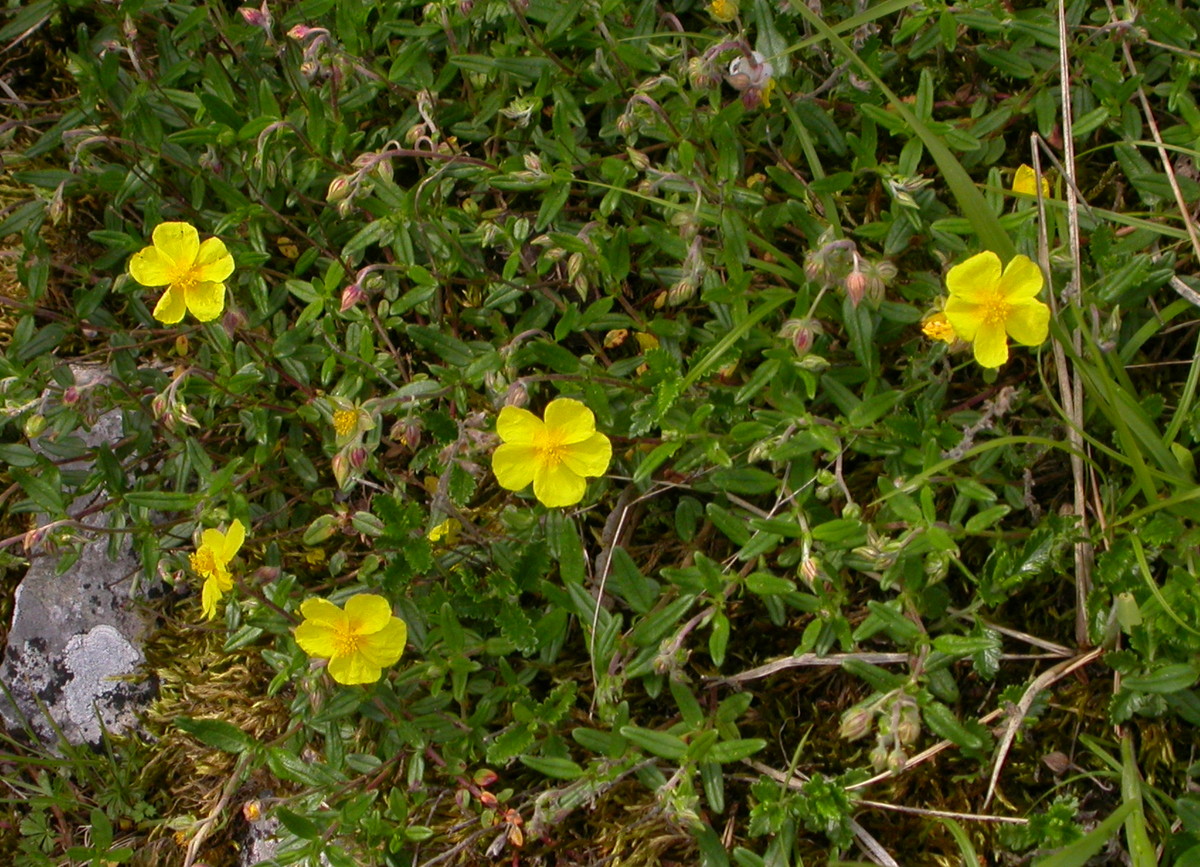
[358,642]
[193,273]
[555,454]
[987,306]
[1025,182]
[211,562]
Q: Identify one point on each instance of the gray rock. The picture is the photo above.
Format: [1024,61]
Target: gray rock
[75,644]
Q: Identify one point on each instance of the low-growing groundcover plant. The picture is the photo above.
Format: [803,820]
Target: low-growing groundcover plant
[623,432]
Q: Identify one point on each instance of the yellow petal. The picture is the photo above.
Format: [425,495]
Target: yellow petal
[963,316]
[213,262]
[323,612]
[206,300]
[1028,322]
[590,457]
[1022,279]
[991,345]
[149,268]
[177,242]
[514,466]
[210,596]
[1025,181]
[317,639]
[979,274]
[233,539]
[170,307]
[367,613]
[386,646]
[573,421]
[557,486]
[214,540]
[354,668]
[518,426]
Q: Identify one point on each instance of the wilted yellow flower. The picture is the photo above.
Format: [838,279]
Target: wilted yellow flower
[359,642]
[555,454]
[938,327]
[1025,182]
[987,306]
[211,562]
[646,341]
[193,273]
[723,10]
[447,532]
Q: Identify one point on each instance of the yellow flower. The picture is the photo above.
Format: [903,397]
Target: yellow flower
[358,642]
[987,306]
[344,422]
[555,454]
[723,10]
[767,90]
[1025,182]
[211,562]
[446,532]
[193,273]
[938,327]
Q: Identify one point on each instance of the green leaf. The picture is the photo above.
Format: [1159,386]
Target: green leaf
[216,733]
[661,744]
[555,768]
[736,750]
[162,501]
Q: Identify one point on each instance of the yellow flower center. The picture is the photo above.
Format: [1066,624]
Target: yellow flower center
[548,443]
[204,563]
[995,309]
[344,421]
[346,641]
[184,276]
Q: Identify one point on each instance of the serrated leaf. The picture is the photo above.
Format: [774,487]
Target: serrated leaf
[516,626]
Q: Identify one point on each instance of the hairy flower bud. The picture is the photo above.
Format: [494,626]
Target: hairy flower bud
[351,295]
[339,188]
[856,287]
[341,468]
[856,723]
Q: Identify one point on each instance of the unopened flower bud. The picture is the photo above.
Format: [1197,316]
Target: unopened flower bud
[358,457]
[351,295]
[879,757]
[682,292]
[518,395]
[856,723]
[574,265]
[34,424]
[637,159]
[182,345]
[802,333]
[70,396]
[300,31]
[253,17]
[856,287]
[341,468]
[908,729]
[339,188]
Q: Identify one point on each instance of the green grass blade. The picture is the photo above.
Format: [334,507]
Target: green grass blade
[1141,850]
